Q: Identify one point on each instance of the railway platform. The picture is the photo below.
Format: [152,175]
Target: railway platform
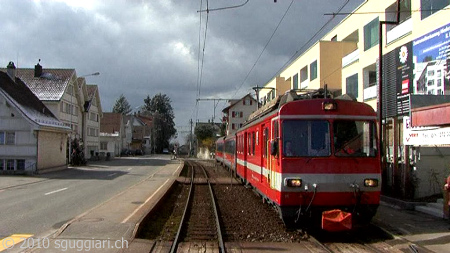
[117,220]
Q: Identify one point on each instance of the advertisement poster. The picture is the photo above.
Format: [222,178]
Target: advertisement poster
[424,136]
[404,77]
[432,62]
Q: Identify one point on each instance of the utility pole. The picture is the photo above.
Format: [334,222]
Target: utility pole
[215,104]
[190,139]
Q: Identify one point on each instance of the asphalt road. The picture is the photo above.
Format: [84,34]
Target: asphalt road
[41,205]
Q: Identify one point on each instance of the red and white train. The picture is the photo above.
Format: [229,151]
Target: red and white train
[315,158]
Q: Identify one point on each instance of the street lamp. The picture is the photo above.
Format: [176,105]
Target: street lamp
[93,74]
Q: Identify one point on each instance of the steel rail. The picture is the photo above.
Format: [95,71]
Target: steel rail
[216,214]
[175,242]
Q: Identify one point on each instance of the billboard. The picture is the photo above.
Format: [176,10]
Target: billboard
[432,62]
[420,67]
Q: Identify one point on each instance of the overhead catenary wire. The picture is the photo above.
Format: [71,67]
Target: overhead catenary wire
[312,38]
[223,8]
[267,43]
[201,54]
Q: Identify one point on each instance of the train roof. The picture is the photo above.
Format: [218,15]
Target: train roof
[294,95]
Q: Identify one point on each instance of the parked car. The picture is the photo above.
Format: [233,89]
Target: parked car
[165,151]
[125,152]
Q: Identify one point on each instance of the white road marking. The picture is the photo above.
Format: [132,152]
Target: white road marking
[110,175]
[129,169]
[60,190]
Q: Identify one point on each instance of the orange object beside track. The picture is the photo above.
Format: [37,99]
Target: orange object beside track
[336,220]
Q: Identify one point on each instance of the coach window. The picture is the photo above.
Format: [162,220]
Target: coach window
[249,143]
[253,142]
[265,140]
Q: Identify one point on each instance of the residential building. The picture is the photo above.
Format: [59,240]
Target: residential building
[92,117]
[238,111]
[32,139]
[414,72]
[65,95]
[139,133]
[112,131]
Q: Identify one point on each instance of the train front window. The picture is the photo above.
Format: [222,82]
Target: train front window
[354,138]
[306,138]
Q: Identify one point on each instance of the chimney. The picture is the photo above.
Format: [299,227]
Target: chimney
[38,69]
[11,71]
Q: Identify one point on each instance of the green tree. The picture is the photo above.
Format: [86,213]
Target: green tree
[122,106]
[204,131]
[163,125]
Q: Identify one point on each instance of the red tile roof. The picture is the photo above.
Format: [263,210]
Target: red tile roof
[111,122]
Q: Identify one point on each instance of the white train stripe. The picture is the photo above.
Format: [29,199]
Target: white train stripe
[325,182]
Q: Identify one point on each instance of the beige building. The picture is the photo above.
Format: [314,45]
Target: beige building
[414,71]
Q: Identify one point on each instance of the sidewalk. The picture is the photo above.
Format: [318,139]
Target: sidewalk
[427,232]
[111,226]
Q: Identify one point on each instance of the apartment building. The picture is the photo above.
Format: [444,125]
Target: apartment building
[414,72]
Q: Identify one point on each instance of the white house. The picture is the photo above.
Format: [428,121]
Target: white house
[32,139]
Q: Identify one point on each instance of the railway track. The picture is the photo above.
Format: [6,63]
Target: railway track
[200,220]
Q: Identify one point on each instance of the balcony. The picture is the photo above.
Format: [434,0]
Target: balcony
[370,92]
[350,58]
[399,31]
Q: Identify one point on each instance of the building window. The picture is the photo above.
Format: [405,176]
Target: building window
[371,34]
[429,7]
[313,70]
[2,138]
[92,132]
[241,114]
[10,138]
[10,164]
[247,101]
[232,114]
[304,74]
[21,164]
[103,145]
[295,82]
[93,116]
[405,13]
[233,126]
[352,85]
[2,164]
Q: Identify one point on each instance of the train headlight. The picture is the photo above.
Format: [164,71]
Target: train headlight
[293,182]
[370,182]
[329,106]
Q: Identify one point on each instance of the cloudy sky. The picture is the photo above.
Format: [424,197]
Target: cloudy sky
[145,47]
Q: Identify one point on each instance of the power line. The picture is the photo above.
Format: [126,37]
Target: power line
[248,74]
[307,43]
[203,51]
[224,8]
